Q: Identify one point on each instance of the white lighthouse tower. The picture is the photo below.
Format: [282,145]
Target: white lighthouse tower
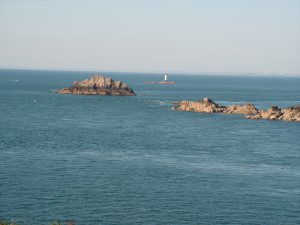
[165,81]
[166,77]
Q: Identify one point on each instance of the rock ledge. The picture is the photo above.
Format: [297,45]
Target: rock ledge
[98,85]
[207,105]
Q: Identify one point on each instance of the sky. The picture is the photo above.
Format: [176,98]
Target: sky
[191,36]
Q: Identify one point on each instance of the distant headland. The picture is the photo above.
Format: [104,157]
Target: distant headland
[207,105]
[98,85]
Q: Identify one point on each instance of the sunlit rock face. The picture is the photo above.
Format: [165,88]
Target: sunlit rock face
[275,113]
[98,85]
[207,105]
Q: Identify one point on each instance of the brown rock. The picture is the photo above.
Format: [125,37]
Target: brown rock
[207,105]
[276,113]
[98,85]
[241,109]
[292,113]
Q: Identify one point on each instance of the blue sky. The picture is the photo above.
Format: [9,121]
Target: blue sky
[151,36]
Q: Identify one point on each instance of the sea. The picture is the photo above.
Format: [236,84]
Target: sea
[133,160]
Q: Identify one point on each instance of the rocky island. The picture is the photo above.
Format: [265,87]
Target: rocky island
[165,81]
[98,85]
[207,105]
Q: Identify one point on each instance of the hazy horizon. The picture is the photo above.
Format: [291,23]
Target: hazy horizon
[250,36]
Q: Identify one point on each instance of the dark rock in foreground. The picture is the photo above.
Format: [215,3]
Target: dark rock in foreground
[98,85]
[209,106]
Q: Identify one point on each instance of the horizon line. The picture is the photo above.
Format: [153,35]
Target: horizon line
[156,72]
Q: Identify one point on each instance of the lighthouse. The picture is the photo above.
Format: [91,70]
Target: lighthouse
[166,77]
[165,80]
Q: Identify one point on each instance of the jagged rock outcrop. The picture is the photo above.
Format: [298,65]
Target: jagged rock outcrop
[248,109]
[276,113]
[98,85]
[207,105]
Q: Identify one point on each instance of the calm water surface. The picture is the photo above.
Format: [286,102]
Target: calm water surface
[132,160]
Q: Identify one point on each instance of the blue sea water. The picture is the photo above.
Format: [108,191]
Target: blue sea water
[133,160]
